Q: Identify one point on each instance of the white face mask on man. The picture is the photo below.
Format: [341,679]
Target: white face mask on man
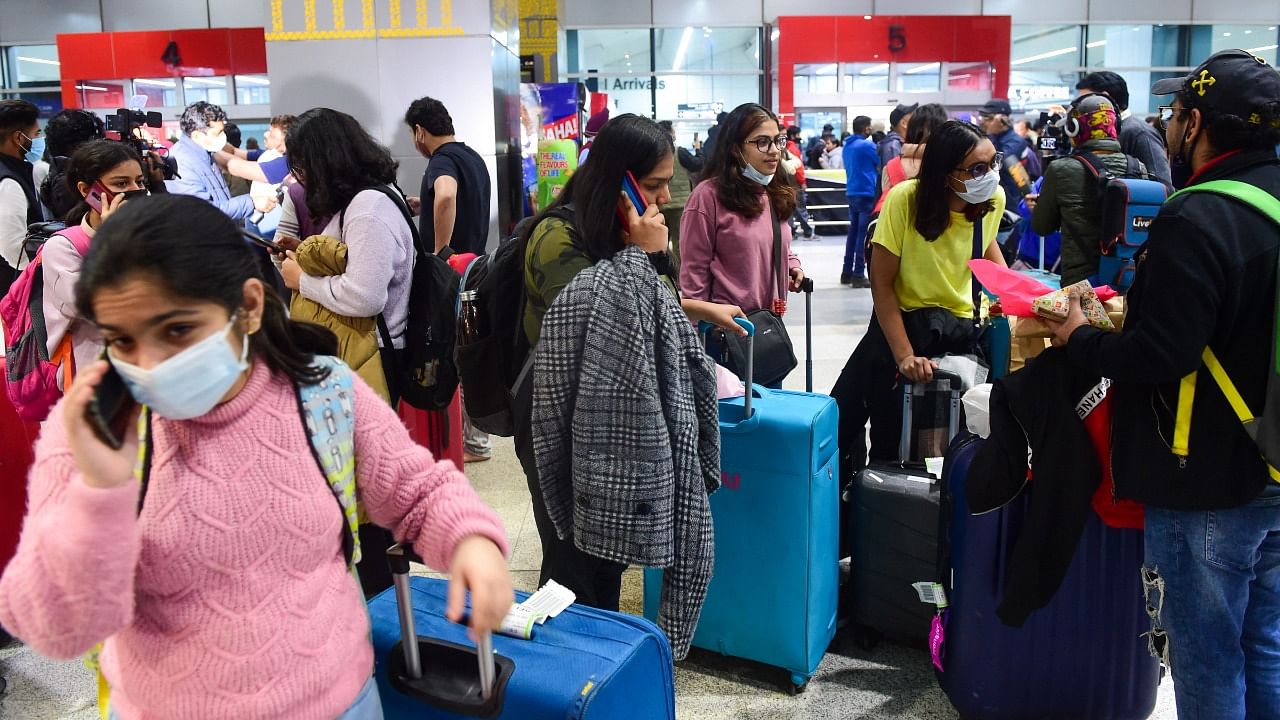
[210,143]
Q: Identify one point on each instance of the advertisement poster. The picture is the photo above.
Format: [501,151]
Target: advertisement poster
[549,135]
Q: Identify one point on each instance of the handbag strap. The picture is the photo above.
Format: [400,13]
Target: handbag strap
[974,283]
[777,251]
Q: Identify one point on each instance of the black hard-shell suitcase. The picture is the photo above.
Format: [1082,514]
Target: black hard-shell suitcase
[893,527]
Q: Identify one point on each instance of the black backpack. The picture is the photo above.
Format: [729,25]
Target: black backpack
[490,366]
[423,373]
[38,234]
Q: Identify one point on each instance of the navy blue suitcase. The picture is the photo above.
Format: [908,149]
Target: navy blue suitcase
[584,664]
[1081,656]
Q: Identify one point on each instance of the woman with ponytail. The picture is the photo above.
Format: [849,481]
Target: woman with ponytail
[111,171]
[227,595]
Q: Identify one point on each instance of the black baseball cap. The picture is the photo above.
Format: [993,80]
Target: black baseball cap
[997,106]
[1233,82]
[900,112]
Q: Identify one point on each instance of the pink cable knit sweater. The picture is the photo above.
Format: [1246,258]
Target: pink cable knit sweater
[229,596]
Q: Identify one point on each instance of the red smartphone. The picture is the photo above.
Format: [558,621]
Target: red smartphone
[632,190]
[97,196]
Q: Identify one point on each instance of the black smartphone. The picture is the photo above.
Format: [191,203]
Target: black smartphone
[260,241]
[110,410]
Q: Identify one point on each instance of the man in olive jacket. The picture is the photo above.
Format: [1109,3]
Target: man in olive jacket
[1206,277]
[1069,194]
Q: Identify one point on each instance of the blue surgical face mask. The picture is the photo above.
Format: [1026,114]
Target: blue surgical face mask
[190,383]
[36,153]
[755,175]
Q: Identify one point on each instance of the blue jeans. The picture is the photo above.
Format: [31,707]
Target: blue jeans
[367,705]
[854,246]
[1212,583]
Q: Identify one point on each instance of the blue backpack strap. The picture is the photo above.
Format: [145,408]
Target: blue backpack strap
[328,414]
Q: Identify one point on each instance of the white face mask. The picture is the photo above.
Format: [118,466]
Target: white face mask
[755,175]
[981,190]
[212,143]
[190,383]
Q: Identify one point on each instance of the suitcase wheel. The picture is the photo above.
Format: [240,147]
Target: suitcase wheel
[866,637]
[797,684]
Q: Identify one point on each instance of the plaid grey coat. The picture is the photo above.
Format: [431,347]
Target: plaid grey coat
[626,431]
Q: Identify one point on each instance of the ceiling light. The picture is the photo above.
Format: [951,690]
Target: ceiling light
[922,68]
[866,17]
[1044,55]
[1273,27]
[94,88]
[1248,32]
[1264,48]
[1226,34]
[682,48]
[874,69]
[1096,44]
[157,83]
[38,61]
[252,80]
[825,69]
[206,81]
[1136,28]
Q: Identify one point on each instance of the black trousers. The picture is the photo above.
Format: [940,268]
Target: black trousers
[596,582]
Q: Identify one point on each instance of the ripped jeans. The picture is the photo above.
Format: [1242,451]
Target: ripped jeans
[1212,585]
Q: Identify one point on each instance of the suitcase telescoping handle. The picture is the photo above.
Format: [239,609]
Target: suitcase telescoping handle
[704,327]
[399,556]
[806,286]
[953,421]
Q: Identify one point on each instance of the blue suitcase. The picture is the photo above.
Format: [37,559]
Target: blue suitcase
[1081,656]
[584,664]
[772,597]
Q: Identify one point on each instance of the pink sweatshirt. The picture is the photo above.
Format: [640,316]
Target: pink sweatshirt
[228,597]
[727,258]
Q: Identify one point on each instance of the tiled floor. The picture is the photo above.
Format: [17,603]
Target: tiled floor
[889,682]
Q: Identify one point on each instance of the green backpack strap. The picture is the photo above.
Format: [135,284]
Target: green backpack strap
[1255,197]
[328,413]
[327,409]
[1269,206]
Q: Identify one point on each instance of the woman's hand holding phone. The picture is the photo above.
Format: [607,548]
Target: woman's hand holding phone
[648,231]
[111,207]
[101,466]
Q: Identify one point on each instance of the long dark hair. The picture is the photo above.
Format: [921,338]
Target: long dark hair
[627,142]
[89,163]
[735,192]
[334,158]
[924,121]
[195,251]
[943,153]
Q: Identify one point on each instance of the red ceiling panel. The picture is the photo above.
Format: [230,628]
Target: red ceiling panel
[84,56]
[204,52]
[248,50]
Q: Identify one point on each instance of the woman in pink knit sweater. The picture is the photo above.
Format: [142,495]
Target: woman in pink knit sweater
[228,594]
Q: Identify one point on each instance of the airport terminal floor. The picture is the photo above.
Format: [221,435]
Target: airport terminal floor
[890,681]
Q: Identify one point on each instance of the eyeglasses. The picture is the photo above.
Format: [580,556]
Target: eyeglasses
[764,143]
[1168,112]
[977,170]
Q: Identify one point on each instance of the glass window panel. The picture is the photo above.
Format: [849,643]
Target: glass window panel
[253,90]
[50,103]
[728,91]
[102,94]
[1261,40]
[33,65]
[922,77]
[1032,91]
[1045,46]
[970,76]
[612,51]
[160,92]
[707,48]
[208,89]
[866,77]
[801,83]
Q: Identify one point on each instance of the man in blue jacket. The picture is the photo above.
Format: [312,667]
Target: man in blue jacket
[996,123]
[203,132]
[861,173]
[1206,279]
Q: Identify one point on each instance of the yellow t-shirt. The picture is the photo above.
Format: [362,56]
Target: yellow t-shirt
[932,274]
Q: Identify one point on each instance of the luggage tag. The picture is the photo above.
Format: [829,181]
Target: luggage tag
[934,594]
